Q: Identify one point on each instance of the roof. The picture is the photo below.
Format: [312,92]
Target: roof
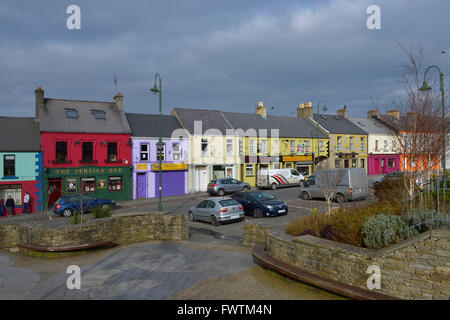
[289,127]
[372,126]
[337,124]
[19,134]
[147,125]
[53,117]
[211,120]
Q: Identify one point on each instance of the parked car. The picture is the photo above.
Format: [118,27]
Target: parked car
[217,211]
[226,185]
[260,203]
[275,178]
[348,184]
[66,206]
[419,179]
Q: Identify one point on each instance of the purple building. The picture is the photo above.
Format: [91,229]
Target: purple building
[175,177]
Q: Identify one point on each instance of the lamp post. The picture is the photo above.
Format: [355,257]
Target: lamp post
[160,144]
[426,87]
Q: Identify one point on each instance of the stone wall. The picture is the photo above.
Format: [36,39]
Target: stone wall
[254,232]
[417,268]
[119,228]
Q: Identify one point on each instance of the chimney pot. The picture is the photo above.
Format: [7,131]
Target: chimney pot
[261,109]
[118,99]
[305,110]
[39,102]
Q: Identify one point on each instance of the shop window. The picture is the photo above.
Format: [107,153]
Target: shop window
[304,170]
[88,151]
[61,151]
[112,151]
[162,152]
[354,163]
[339,144]
[71,185]
[9,165]
[13,190]
[88,184]
[337,163]
[115,184]
[362,163]
[288,165]
[249,170]
[144,152]
[391,163]
[176,149]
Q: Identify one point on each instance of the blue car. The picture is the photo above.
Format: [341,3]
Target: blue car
[260,204]
[66,206]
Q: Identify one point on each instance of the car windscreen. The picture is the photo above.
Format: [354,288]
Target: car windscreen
[262,196]
[228,203]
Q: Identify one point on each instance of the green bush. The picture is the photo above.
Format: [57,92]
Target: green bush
[390,191]
[101,212]
[384,229]
[75,218]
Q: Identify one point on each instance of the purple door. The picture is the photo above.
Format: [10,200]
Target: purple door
[141,185]
[172,183]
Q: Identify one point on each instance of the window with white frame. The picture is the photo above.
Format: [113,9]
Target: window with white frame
[264,146]
[230,147]
[352,143]
[249,170]
[307,146]
[386,145]
[204,147]
[321,146]
[363,143]
[276,146]
[339,143]
[252,146]
[144,152]
[176,149]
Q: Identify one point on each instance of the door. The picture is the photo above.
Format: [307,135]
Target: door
[376,166]
[54,191]
[200,210]
[141,185]
[201,182]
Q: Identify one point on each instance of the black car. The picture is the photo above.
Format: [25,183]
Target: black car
[260,204]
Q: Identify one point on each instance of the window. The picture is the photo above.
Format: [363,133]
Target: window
[204,147]
[88,151]
[249,171]
[99,114]
[264,147]
[162,152]
[71,185]
[354,163]
[229,147]
[376,145]
[394,145]
[339,144]
[71,113]
[363,145]
[252,146]
[13,190]
[386,145]
[292,145]
[391,163]
[61,151]
[321,146]
[115,184]
[202,204]
[144,152]
[276,146]
[210,204]
[307,146]
[337,163]
[362,163]
[288,165]
[9,165]
[352,144]
[112,151]
[304,170]
[176,149]
[88,184]
[241,147]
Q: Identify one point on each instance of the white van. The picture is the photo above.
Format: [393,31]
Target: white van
[274,178]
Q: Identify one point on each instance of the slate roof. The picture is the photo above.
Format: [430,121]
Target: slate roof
[53,117]
[372,126]
[19,134]
[211,119]
[289,127]
[337,124]
[147,125]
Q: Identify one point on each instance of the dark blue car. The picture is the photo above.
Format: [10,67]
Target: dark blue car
[66,206]
[260,204]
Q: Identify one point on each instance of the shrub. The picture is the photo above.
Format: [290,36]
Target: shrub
[390,191]
[75,218]
[314,222]
[101,212]
[385,229]
[310,232]
[329,233]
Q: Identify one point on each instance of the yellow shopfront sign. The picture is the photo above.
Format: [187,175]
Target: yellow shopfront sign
[170,166]
[296,158]
[142,167]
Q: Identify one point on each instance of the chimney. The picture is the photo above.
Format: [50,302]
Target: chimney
[118,99]
[261,110]
[305,110]
[394,113]
[373,114]
[342,112]
[39,102]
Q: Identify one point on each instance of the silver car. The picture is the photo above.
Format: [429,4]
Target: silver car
[226,185]
[216,211]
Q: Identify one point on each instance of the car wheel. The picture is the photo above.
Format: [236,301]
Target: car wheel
[245,188]
[340,198]
[67,213]
[257,213]
[302,183]
[274,186]
[220,193]
[191,216]
[214,221]
[305,195]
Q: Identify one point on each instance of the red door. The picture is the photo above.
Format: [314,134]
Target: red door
[54,191]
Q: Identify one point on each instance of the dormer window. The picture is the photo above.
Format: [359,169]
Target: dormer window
[71,113]
[99,114]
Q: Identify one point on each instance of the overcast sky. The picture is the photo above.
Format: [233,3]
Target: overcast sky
[215,54]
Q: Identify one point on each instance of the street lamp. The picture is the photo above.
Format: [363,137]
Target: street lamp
[160,144]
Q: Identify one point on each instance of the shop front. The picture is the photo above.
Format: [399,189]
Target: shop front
[383,163]
[253,164]
[302,163]
[113,183]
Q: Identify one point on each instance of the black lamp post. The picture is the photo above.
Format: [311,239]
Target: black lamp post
[160,143]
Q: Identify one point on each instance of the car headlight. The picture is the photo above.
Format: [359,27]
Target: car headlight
[269,207]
